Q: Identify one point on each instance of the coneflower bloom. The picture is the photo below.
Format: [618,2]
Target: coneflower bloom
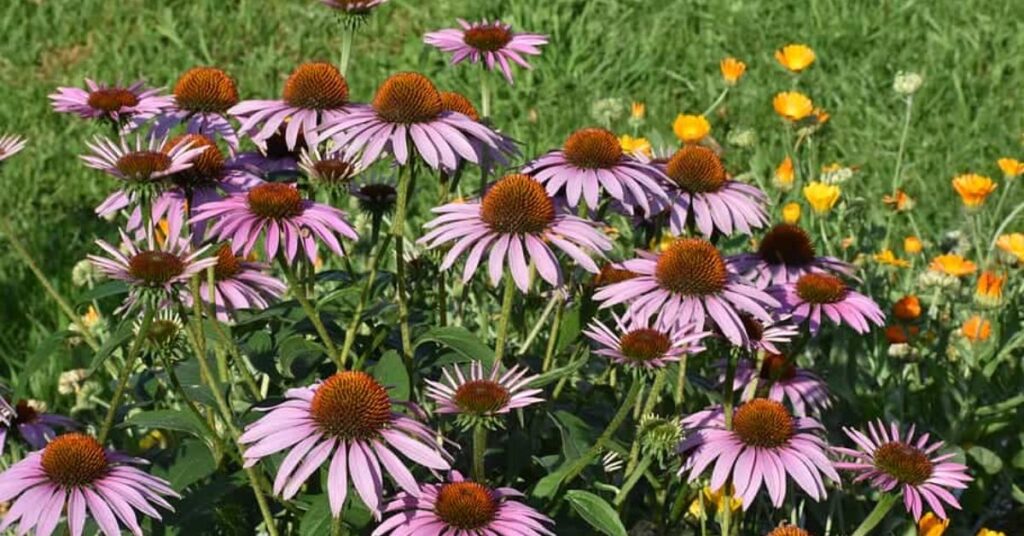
[407,118]
[815,293]
[908,464]
[116,103]
[783,381]
[767,336]
[315,96]
[785,253]
[591,162]
[478,394]
[765,444]
[637,342]
[278,213]
[34,426]
[10,145]
[346,420]
[354,7]
[688,282]
[464,508]
[327,169]
[74,474]
[492,43]
[238,284]
[489,157]
[202,98]
[701,192]
[153,268]
[514,224]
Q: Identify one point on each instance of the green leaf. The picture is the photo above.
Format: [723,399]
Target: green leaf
[194,463]
[166,419]
[462,341]
[1018,459]
[390,372]
[596,511]
[577,436]
[104,290]
[547,487]
[317,520]
[988,460]
[1017,494]
[552,376]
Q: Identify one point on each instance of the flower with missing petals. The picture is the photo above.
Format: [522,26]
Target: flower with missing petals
[493,44]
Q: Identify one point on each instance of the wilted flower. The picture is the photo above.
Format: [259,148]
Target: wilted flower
[691,128]
[906,84]
[732,70]
[938,279]
[607,110]
[1011,167]
[836,173]
[952,264]
[900,202]
[84,273]
[887,257]
[795,57]
[70,381]
[912,245]
[792,105]
[354,7]
[901,334]
[791,212]
[784,175]
[976,329]
[822,197]
[973,188]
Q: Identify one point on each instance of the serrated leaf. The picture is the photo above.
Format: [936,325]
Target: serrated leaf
[596,511]
[390,372]
[460,340]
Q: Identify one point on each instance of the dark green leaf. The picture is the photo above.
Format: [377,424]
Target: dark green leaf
[596,511]
[390,372]
[462,341]
[988,460]
[166,419]
[317,520]
[103,290]
[194,463]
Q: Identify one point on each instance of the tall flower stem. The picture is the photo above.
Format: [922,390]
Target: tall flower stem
[398,231]
[26,258]
[633,477]
[126,373]
[652,400]
[727,395]
[347,33]
[236,353]
[485,96]
[876,516]
[681,383]
[718,101]
[503,321]
[364,295]
[897,175]
[479,451]
[583,461]
[299,291]
[180,391]
[556,324]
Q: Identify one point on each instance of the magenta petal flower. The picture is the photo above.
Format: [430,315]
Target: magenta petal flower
[477,394]
[636,343]
[74,475]
[492,43]
[766,444]
[346,422]
[592,162]
[688,282]
[10,145]
[238,284]
[814,293]
[407,119]
[279,214]
[35,427]
[893,463]
[462,507]
[516,221]
[763,337]
[782,380]
[116,103]
[701,192]
[202,97]
[785,253]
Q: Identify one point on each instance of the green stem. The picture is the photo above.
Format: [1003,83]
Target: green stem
[583,461]
[180,390]
[126,373]
[885,504]
[652,400]
[479,451]
[721,97]
[556,325]
[503,320]
[727,395]
[346,49]
[485,96]
[897,176]
[631,480]
[298,290]
[681,383]
[537,326]
[236,353]
[364,296]
[1002,226]
[398,231]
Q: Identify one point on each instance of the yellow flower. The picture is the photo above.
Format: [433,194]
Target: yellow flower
[822,197]
[791,213]
[162,229]
[691,128]
[976,329]
[912,245]
[635,146]
[793,105]
[952,264]
[638,111]
[973,188]
[901,202]
[1012,244]
[784,175]
[931,525]
[795,57]
[1012,168]
[91,318]
[886,256]
[153,439]
[716,498]
[990,532]
[732,70]
[990,289]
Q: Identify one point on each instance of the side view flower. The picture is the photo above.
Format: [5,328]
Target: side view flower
[635,342]
[817,293]
[114,102]
[492,43]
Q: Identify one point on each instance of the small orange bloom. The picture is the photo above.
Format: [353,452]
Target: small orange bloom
[931,525]
[1011,167]
[795,57]
[792,105]
[821,116]
[908,308]
[732,70]
[952,264]
[886,256]
[901,202]
[990,288]
[791,212]
[900,334]
[638,111]
[973,188]
[976,329]
[912,245]
[1013,244]
[785,175]
[691,128]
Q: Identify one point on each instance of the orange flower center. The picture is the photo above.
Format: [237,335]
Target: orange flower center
[228,264]
[908,464]
[408,98]
[73,460]
[351,406]
[517,204]
[206,168]
[789,530]
[763,423]
[696,169]
[481,397]
[334,170]
[610,275]
[753,327]
[488,38]
[316,86]
[691,267]
[205,90]
[777,367]
[465,505]
[593,148]
[820,288]
[155,268]
[142,165]
[786,244]
[275,201]
[644,344]
[457,102]
[112,99]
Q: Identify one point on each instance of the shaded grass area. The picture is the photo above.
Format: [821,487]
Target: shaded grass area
[665,53]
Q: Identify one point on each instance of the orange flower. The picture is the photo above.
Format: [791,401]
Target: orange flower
[886,256]
[792,105]
[990,288]
[638,111]
[691,128]
[635,146]
[784,175]
[952,264]
[901,202]
[900,334]
[908,308]
[795,57]
[931,525]
[821,116]
[912,245]
[973,188]
[976,329]
[1011,167]
[732,70]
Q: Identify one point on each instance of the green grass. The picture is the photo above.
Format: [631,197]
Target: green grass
[664,52]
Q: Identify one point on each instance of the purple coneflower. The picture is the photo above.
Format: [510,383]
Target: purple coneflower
[116,103]
[814,293]
[329,169]
[889,462]
[152,267]
[10,145]
[765,444]
[407,118]
[785,253]
[700,191]
[238,284]
[782,380]
[477,394]
[766,337]
[489,157]
[516,220]
[315,96]
[354,7]
[34,426]
[493,43]
[75,475]
[347,418]
[636,343]
[593,161]
[277,212]
[462,507]
[687,282]
[202,98]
